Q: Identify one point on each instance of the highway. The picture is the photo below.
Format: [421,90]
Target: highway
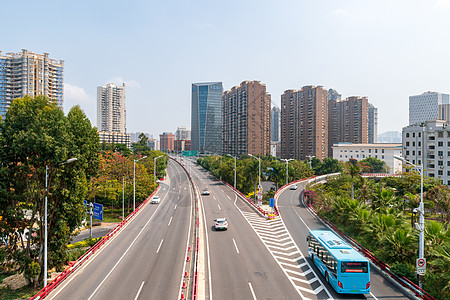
[239,265]
[299,221]
[145,260]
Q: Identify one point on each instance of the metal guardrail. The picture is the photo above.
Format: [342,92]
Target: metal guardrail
[82,259]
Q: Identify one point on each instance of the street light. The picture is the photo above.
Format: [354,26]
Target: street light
[421,227]
[259,174]
[287,161]
[310,157]
[154,166]
[45,214]
[234,169]
[134,181]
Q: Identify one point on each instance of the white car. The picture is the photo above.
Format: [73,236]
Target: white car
[221,224]
[156,200]
[206,192]
[293,187]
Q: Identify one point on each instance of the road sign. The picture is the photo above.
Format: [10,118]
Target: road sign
[98,211]
[421,265]
[272,202]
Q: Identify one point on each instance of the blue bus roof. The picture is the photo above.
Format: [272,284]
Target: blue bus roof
[336,246]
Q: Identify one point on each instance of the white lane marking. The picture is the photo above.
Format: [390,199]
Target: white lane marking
[159,247]
[170,221]
[218,206]
[214,197]
[175,207]
[137,295]
[207,249]
[228,197]
[373,295]
[235,246]
[251,290]
[123,255]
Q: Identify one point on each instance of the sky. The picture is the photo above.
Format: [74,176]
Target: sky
[382,49]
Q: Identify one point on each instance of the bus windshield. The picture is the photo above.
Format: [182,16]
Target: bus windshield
[354,267]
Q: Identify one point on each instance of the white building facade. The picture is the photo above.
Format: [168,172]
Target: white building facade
[425,107]
[385,152]
[111,111]
[429,145]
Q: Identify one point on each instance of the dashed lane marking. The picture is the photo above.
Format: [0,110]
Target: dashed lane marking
[279,242]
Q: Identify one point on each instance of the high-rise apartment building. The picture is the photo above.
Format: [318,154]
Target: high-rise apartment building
[246,119]
[167,141]
[111,111]
[304,123]
[28,73]
[425,107]
[373,124]
[111,114]
[348,121]
[182,133]
[206,117]
[444,112]
[275,124]
[428,144]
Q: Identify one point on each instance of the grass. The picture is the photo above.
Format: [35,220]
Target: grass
[114,217]
[23,293]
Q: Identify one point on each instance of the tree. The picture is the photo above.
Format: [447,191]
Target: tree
[328,166]
[375,165]
[37,136]
[353,170]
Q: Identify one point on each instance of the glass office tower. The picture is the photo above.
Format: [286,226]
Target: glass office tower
[206,117]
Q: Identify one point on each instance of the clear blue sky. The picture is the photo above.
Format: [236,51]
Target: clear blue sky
[383,49]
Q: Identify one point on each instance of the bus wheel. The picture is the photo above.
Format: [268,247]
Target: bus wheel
[312,258]
[327,277]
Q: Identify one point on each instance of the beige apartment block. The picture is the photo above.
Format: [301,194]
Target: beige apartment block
[304,123]
[246,114]
[348,121]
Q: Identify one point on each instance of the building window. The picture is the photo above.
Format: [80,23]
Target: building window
[414,144]
[370,150]
[420,134]
[440,163]
[414,152]
[440,172]
[407,152]
[376,150]
[418,144]
[440,153]
[418,152]
[407,134]
[440,144]
[382,150]
[440,134]
[382,156]
[407,144]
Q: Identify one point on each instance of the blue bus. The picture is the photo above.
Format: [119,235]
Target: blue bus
[344,268]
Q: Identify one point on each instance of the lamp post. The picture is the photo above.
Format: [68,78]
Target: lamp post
[234,169]
[287,161]
[134,181]
[154,166]
[310,157]
[421,211]
[45,214]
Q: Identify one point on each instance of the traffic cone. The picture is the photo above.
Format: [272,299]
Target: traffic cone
[184,284]
[185,273]
[189,248]
[187,258]
[182,295]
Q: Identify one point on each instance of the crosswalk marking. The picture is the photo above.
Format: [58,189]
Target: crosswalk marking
[276,238]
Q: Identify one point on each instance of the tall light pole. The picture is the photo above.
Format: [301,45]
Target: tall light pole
[234,169]
[134,181]
[287,161]
[310,157]
[421,211]
[154,166]
[45,213]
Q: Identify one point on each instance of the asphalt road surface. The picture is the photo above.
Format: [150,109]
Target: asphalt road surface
[145,260]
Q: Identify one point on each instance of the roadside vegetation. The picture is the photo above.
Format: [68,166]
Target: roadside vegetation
[379,214]
[37,139]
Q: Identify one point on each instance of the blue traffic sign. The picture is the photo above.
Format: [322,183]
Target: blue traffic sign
[97,211]
[272,202]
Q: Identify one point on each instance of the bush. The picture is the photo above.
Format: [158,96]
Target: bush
[405,270]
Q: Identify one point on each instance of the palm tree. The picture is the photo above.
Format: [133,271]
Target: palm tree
[353,170]
[442,263]
[399,245]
